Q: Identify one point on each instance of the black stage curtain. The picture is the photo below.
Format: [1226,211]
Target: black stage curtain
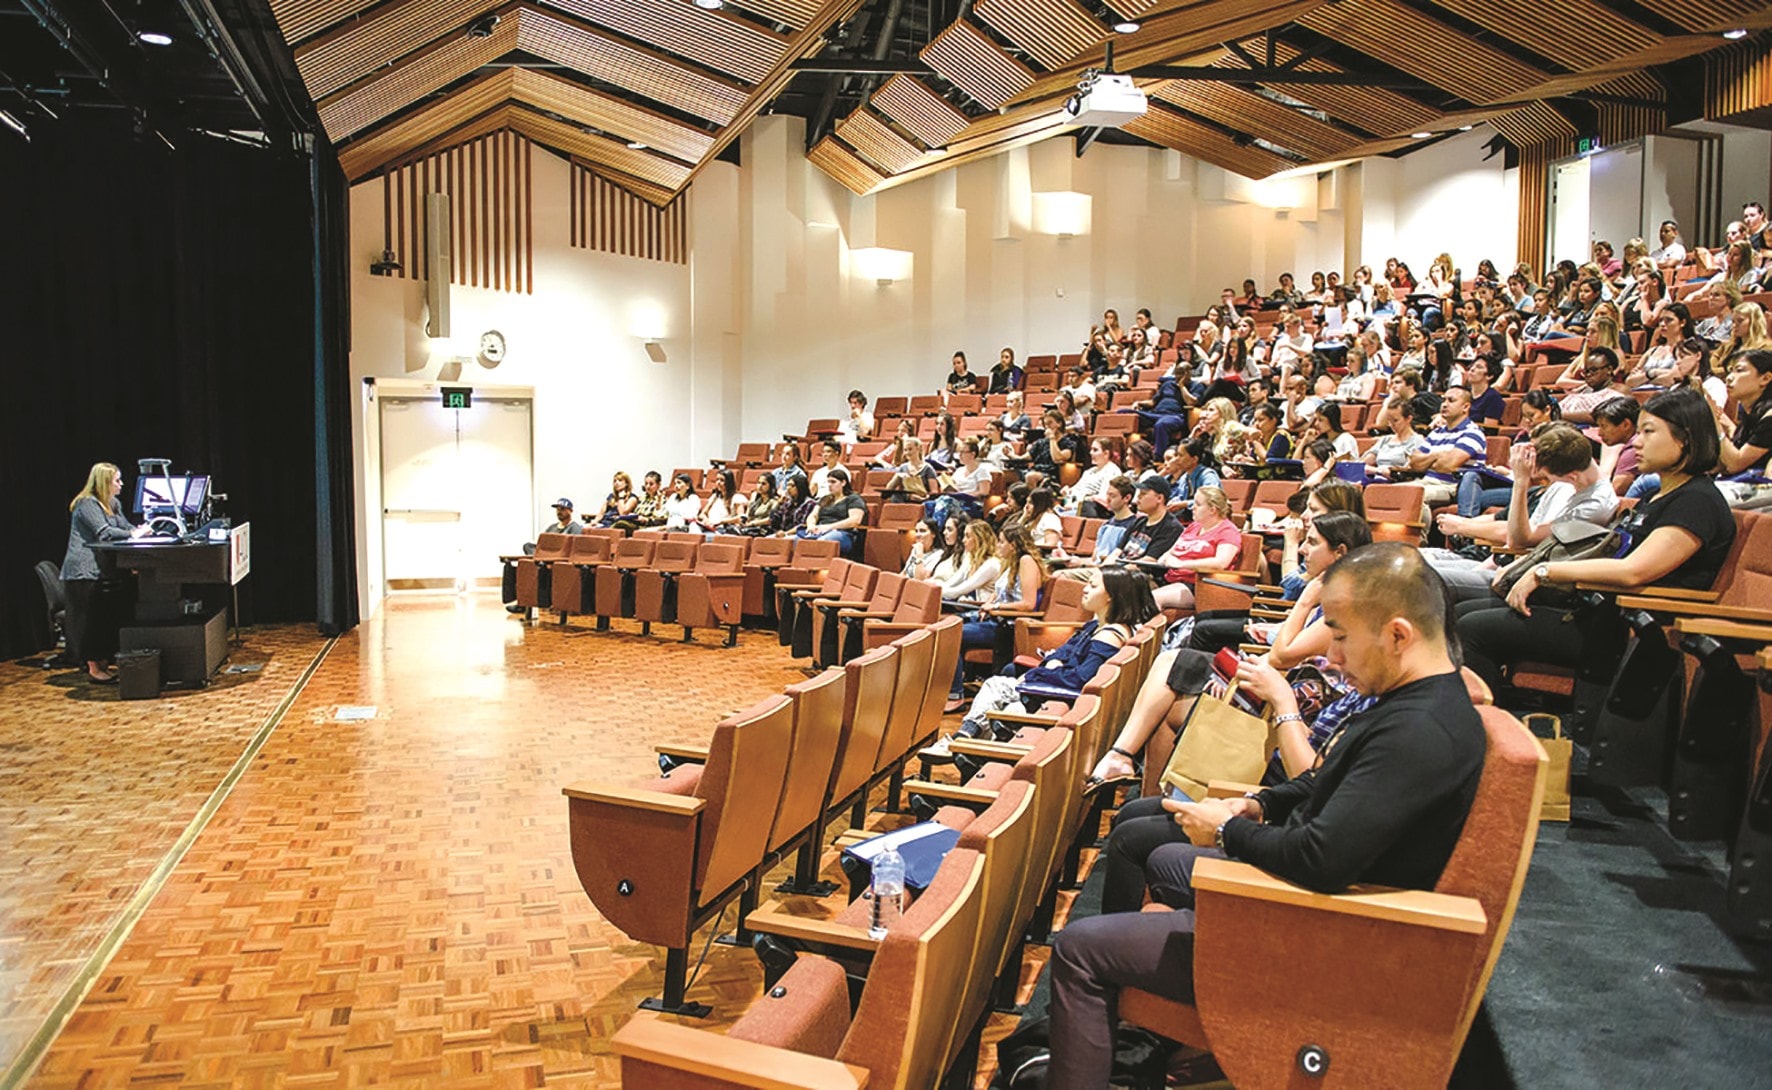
[189,304]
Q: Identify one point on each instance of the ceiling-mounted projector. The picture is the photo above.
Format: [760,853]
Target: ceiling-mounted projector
[1106,99]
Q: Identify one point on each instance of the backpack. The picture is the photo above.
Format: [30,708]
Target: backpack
[1568,540]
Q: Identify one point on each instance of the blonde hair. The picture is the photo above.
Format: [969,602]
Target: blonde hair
[622,478]
[1748,332]
[1605,330]
[981,544]
[99,481]
[1215,499]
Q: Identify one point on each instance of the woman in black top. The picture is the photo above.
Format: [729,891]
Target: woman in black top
[1747,443]
[1679,539]
[837,516]
[93,517]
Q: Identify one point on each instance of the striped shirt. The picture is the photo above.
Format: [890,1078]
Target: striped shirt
[1467,437]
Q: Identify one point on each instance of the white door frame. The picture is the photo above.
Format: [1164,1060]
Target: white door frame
[374,528]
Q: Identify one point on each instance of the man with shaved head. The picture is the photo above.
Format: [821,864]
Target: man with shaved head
[1385,804]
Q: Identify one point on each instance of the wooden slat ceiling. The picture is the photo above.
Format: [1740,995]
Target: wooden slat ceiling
[396,78]
[1052,31]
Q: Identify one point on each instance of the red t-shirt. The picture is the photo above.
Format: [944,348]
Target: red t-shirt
[1197,543]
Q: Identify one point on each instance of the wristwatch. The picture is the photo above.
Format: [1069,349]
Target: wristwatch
[1541,573]
[1218,836]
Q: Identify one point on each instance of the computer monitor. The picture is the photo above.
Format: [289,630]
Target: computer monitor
[188,493]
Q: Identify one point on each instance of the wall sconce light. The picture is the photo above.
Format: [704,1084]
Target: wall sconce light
[1064,214]
[646,320]
[881,265]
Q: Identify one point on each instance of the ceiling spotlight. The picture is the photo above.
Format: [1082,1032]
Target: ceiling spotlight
[1735,35]
[635,145]
[154,37]
[483,26]
[1464,128]
[710,5]
[1420,135]
[1125,26]
[387,266]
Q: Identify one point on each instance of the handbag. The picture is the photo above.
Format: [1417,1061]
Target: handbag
[1219,741]
[1568,540]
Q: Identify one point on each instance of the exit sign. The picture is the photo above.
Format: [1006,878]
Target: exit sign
[458,397]
[1587,145]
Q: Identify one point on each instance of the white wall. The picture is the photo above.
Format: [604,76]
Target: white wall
[768,325]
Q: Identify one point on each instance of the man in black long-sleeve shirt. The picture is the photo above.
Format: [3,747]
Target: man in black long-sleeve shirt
[1385,805]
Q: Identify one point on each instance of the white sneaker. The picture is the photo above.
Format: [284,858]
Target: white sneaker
[938,751]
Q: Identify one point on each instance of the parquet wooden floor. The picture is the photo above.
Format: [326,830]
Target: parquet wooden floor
[393,901]
[94,791]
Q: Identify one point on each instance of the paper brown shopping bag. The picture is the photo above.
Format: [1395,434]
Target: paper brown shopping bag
[1549,731]
[1218,742]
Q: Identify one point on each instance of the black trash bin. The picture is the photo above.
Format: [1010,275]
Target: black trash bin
[138,674]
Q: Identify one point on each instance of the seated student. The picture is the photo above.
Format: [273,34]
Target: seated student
[1313,503]
[796,507]
[1660,364]
[1386,806]
[971,580]
[1747,444]
[1615,423]
[1486,403]
[994,450]
[949,556]
[943,451]
[1119,600]
[1287,292]
[1274,442]
[725,504]
[563,523]
[858,425]
[1190,466]
[1292,348]
[963,488]
[1014,421]
[1210,543]
[1121,517]
[892,455]
[1013,507]
[925,551]
[1602,364]
[1327,425]
[1164,414]
[1392,452]
[1680,539]
[959,380]
[1140,459]
[1041,518]
[649,510]
[1021,574]
[1055,448]
[914,479]
[1561,459]
[620,502]
[1251,298]
[1082,394]
[682,507]
[837,515]
[831,455]
[1453,446]
[790,466]
[1005,376]
[759,514]
[1087,495]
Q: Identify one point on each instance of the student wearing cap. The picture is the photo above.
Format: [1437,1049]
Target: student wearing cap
[564,523]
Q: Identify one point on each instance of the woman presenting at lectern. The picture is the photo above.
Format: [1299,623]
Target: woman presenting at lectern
[94,516]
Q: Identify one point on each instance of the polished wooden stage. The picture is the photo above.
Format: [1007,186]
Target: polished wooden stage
[389,900]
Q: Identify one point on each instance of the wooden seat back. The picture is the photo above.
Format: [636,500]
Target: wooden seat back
[741,785]
[591,548]
[869,683]
[1051,768]
[771,552]
[1394,511]
[633,552]
[1004,835]
[918,603]
[1240,493]
[551,547]
[818,729]
[676,555]
[915,653]
[945,658]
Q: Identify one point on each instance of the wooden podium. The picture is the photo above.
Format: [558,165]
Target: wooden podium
[181,599]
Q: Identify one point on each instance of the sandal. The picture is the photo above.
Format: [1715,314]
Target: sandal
[1096,781]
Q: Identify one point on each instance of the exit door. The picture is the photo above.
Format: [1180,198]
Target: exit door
[457,490]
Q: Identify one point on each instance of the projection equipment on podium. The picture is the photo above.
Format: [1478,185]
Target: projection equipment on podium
[438,270]
[147,467]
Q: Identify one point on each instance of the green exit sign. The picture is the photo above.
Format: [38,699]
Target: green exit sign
[458,397]
[1587,145]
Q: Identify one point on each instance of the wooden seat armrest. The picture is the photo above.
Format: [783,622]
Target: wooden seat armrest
[508,558]
[856,616]
[1268,613]
[1023,718]
[840,603]
[989,751]
[1230,789]
[1256,649]
[1675,593]
[1224,584]
[729,1061]
[691,754]
[773,919]
[1270,590]
[1727,630]
[1016,614]
[965,796]
[892,628]
[635,798]
[1415,907]
[1680,608]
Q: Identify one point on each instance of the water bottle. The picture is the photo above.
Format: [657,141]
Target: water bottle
[888,893]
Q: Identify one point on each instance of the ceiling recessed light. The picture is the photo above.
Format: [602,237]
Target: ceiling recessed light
[710,5]
[635,145]
[1125,26]
[1420,135]
[154,37]
[1735,35]
[1464,128]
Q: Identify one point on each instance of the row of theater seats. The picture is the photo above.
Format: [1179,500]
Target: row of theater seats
[653,576]
[1675,706]
[1414,964]
[662,856]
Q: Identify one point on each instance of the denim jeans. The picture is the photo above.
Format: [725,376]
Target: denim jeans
[845,539]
